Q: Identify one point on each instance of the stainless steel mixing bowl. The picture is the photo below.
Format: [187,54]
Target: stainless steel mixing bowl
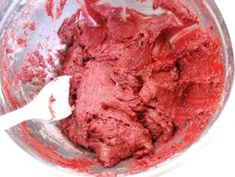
[13,14]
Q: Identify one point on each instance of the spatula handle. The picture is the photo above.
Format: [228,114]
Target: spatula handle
[14,118]
[33,110]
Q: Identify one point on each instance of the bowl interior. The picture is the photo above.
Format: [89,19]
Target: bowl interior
[25,27]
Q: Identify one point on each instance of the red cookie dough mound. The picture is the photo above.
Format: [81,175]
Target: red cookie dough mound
[137,79]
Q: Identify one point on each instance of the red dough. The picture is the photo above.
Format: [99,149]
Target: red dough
[137,80]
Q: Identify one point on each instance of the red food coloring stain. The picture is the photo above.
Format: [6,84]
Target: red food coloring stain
[8,50]
[49,7]
[30,25]
[7,90]
[4,65]
[51,101]
[142,1]
[54,10]
[60,8]
[21,42]
[34,67]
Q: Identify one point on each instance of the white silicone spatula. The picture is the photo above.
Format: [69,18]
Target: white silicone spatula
[52,103]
